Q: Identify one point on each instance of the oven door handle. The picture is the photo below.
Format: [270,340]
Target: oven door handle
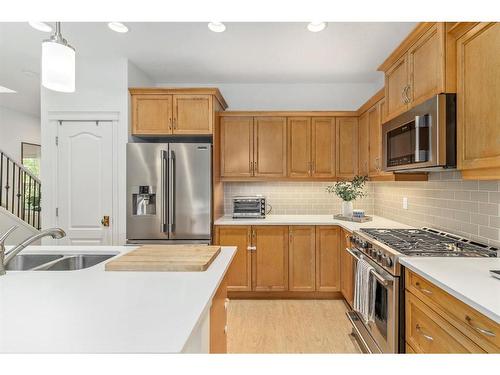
[384,281]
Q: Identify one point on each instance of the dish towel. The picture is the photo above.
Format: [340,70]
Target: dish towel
[364,291]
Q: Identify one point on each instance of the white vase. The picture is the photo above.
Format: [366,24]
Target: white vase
[347,208]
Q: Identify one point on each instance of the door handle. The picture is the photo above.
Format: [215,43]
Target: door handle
[105,221]
[171,191]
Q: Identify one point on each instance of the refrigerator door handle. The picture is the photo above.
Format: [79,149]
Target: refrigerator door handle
[164,184]
[171,191]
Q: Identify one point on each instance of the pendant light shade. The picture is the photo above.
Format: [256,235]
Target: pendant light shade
[58,63]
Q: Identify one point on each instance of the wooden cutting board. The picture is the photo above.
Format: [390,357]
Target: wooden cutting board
[166,258]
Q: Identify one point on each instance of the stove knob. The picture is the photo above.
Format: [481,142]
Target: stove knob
[379,255]
[388,262]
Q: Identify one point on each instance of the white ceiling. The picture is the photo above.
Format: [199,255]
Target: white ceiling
[189,52]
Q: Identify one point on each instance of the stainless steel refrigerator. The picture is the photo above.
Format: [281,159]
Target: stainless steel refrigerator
[169,192]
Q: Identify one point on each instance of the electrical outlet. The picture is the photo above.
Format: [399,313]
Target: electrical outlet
[405,203]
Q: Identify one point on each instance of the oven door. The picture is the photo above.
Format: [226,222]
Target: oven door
[383,331]
[247,207]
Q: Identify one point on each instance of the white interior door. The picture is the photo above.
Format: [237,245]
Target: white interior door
[85,181]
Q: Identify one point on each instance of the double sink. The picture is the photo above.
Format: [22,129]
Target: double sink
[56,262]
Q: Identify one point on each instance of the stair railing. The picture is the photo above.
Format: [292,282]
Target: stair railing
[20,191]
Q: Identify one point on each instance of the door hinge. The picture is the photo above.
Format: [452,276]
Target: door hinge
[57,141]
[57,211]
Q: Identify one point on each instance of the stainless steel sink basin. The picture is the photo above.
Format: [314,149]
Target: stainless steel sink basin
[24,262]
[77,262]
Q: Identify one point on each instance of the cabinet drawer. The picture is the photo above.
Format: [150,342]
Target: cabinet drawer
[428,332]
[480,329]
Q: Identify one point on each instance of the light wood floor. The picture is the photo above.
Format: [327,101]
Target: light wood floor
[289,326]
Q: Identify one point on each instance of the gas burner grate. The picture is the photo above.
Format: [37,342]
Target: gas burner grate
[429,242]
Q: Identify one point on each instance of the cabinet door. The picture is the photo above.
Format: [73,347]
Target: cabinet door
[426,65]
[299,146]
[396,82]
[327,258]
[363,145]
[478,95]
[346,147]
[193,114]
[218,320]
[302,255]
[346,269]
[323,147]
[375,142]
[239,275]
[270,258]
[236,146]
[269,147]
[151,114]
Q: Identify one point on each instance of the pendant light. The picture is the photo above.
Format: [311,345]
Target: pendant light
[58,63]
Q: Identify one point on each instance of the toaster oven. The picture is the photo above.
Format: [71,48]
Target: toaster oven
[249,207]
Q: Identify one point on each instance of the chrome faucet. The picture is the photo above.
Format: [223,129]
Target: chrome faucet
[6,257]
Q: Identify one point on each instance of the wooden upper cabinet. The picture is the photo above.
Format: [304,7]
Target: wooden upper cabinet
[167,111]
[328,258]
[193,114]
[396,87]
[363,145]
[417,69]
[236,138]
[346,141]
[299,146]
[375,140]
[302,255]
[151,114]
[346,269]
[427,65]
[323,147]
[478,98]
[269,147]
[270,260]
[239,275]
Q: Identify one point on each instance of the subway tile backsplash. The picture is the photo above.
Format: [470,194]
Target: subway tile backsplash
[290,198]
[467,208]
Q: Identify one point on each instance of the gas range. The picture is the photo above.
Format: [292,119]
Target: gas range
[386,246]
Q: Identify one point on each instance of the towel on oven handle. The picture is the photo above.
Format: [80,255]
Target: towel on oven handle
[364,291]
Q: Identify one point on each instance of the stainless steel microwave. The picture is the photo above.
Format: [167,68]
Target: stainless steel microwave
[423,138]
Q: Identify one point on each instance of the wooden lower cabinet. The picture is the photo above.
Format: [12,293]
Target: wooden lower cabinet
[470,323]
[302,258]
[283,261]
[346,269]
[428,332]
[218,320]
[328,258]
[270,258]
[239,275]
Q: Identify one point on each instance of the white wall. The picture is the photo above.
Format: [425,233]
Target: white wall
[101,86]
[17,127]
[297,96]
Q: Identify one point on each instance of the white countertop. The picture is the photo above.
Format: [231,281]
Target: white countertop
[467,279]
[94,311]
[377,222]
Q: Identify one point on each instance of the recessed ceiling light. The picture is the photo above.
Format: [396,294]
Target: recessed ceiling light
[118,27]
[216,27]
[41,26]
[316,26]
[5,90]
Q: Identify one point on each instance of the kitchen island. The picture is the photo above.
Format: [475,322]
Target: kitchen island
[97,311]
